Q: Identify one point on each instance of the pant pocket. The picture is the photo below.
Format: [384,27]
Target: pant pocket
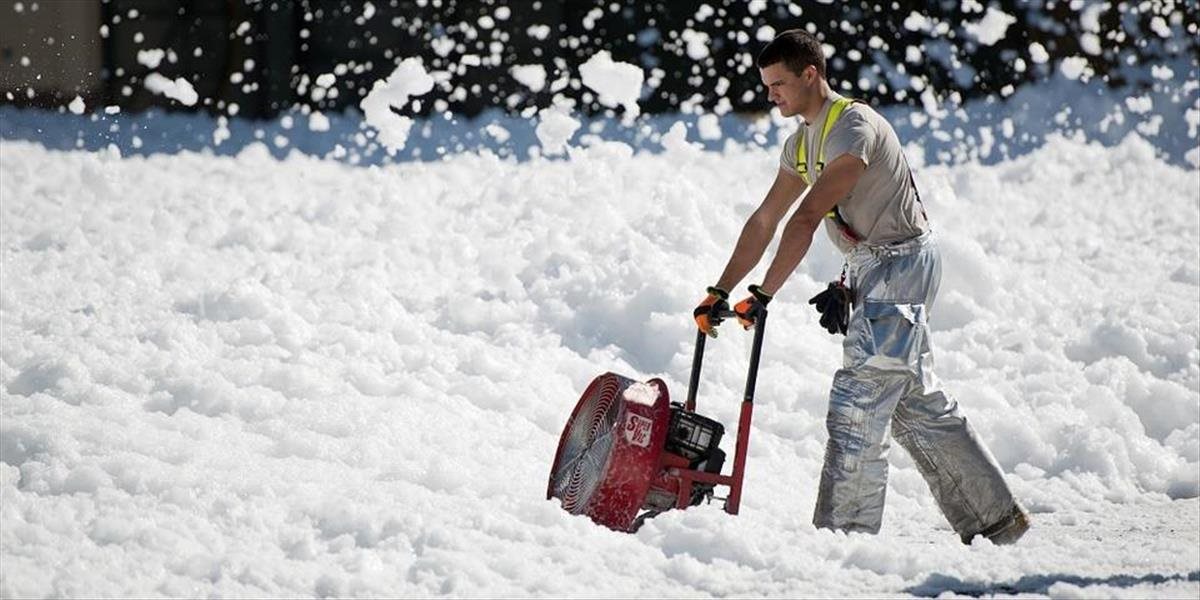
[891,335]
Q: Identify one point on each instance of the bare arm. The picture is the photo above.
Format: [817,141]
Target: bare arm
[835,184]
[760,228]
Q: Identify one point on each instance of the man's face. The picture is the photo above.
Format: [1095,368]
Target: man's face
[790,92]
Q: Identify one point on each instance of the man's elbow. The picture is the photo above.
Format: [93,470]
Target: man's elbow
[761,222]
[805,220]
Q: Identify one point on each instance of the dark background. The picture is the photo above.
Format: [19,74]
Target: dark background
[291,43]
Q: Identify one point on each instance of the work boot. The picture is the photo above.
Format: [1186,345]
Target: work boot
[1007,530]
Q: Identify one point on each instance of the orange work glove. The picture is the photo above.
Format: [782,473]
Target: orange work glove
[707,315]
[749,309]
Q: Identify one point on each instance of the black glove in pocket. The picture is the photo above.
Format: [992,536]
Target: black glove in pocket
[834,303]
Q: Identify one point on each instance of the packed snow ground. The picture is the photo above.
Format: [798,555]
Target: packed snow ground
[250,377]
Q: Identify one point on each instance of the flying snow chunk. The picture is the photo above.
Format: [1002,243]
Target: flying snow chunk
[442,46]
[326,80]
[555,129]
[530,76]
[77,105]
[1073,66]
[697,43]
[675,140]
[992,27]
[916,21]
[765,33]
[617,83]
[1162,72]
[641,393]
[179,89]
[318,121]
[408,80]
[151,58]
[497,132]
[709,127]
[1038,53]
[1139,104]
[1159,25]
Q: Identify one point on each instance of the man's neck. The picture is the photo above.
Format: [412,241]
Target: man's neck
[824,92]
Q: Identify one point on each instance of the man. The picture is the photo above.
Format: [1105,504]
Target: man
[863,191]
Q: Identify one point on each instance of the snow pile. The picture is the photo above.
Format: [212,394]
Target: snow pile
[238,376]
[408,80]
[617,83]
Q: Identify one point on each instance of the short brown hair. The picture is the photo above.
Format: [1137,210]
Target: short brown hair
[796,49]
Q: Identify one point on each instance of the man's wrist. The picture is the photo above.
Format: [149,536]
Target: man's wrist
[761,294]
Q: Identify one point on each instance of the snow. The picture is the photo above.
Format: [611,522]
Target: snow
[243,369]
[641,393]
[150,58]
[1074,67]
[709,127]
[326,80]
[1038,53]
[554,130]
[1159,26]
[916,21]
[992,27]
[409,79]
[530,76]
[497,132]
[260,377]
[318,121]
[697,43]
[177,89]
[616,83]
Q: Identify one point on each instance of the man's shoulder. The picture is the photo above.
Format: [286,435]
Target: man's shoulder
[861,112]
[793,138]
[859,119]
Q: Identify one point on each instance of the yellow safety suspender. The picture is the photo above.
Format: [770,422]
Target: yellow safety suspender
[835,113]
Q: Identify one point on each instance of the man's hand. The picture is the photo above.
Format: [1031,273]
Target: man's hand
[707,315]
[752,307]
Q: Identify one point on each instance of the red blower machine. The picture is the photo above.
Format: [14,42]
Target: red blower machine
[628,453]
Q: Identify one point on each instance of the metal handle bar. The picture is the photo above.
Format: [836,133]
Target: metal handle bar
[760,322]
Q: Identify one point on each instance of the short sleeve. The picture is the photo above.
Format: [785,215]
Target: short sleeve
[787,159]
[853,134]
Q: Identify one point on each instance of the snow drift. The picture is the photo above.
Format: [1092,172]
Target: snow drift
[244,376]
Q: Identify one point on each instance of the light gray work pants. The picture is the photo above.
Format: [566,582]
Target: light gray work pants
[887,383]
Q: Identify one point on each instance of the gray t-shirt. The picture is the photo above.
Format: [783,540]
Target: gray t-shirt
[883,206]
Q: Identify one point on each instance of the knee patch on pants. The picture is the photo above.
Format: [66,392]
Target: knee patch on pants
[851,404]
